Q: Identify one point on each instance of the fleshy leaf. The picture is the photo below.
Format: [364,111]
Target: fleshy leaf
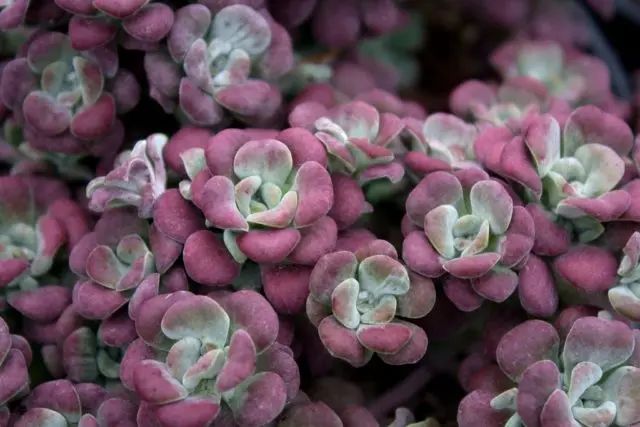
[199,317]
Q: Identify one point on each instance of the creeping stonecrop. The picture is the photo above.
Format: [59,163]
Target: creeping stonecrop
[200,358]
[467,226]
[239,213]
[269,195]
[354,300]
[68,99]
[220,62]
[587,378]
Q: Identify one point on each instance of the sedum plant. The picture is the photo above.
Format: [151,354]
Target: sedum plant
[64,404]
[569,75]
[136,24]
[220,63]
[68,99]
[210,359]
[269,196]
[138,178]
[625,295]
[467,226]
[586,378]
[440,142]
[354,300]
[38,222]
[15,358]
[512,104]
[357,138]
[572,172]
[112,263]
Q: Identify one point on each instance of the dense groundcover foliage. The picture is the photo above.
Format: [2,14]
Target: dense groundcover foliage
[239,213]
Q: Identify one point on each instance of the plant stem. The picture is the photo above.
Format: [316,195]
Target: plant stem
[400,393]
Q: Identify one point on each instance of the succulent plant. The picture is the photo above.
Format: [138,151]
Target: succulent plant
[112,262]
[86,357]
[355,136]
[218,62]
[625,296]
[573,172]
[587,378]
[266,194]
[62,403]
[138,178]
[354,300]
[512,104]
[569,75]
[210,356]
[15,358]
[37,220]
[68,99]
[136,24]
[468,226]
[25,159]
[441,142]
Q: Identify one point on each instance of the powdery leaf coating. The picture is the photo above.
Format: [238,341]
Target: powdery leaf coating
[221,62]
[470,227]
[267,194]
[526,344]
[198,317]
[354,299]
[607,343]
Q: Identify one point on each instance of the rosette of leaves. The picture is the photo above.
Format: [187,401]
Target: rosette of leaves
[37,220]
[356,137]
[572,172]
[138,178]
[625,296]
[220,62]
[588,378]
[358,140]
[136,24]
[25,159]
[354,299]
[67,97]
[467,226]
[61,403]
[15,358]
[512,104]
[112,261]
[200,359]
[441,142]
[270,196]
[569,75]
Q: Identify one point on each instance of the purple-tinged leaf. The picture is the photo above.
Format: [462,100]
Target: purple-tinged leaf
[344,303]
[535,386]
[557,411]
[343,343]
[155,383]
[526,344]
[387,338]
[199,317]
[607,343]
